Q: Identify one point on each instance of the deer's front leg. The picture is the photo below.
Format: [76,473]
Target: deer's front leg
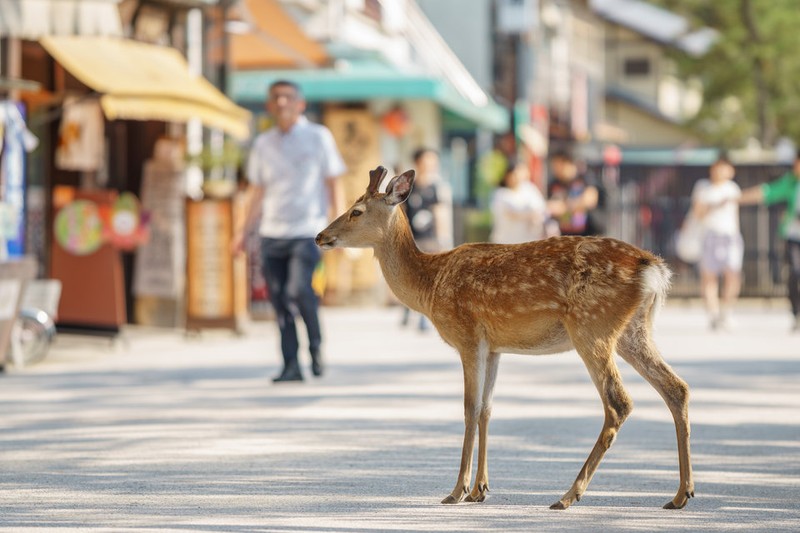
[481,487]
[473,364]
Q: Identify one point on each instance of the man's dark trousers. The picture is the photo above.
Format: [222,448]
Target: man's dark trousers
[288,269]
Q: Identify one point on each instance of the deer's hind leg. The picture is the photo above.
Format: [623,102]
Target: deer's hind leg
[598,356]
[636,346]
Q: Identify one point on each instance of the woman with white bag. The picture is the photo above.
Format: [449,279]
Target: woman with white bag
[715,204]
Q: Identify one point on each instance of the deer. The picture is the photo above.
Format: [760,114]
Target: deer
[596,295]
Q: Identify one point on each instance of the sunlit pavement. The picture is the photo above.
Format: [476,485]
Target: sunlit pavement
[160,432]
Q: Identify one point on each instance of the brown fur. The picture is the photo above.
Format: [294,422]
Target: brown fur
[596,295]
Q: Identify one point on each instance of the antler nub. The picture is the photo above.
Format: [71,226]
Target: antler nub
[375,178]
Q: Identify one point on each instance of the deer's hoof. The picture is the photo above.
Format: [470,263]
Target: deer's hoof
[450,500]
[478,493]
[559,506]
[680,500]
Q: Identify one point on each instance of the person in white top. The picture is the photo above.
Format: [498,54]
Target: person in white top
[715,202]
[518,208]
[292,172]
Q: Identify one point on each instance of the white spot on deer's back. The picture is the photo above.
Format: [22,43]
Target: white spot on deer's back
[489,289]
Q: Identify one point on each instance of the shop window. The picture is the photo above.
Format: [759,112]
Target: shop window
[637,66]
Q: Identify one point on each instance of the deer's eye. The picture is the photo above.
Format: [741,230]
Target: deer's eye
[355,213]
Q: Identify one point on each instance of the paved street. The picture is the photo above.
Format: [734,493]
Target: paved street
[161,432]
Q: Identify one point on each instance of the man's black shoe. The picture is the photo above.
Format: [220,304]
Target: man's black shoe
[316,363]
[288,375]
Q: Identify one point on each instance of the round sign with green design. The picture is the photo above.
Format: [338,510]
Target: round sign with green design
[78,227]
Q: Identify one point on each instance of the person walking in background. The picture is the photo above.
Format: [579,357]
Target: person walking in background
[786,190]
[292,169]
[429,211]
[492,166]
[518,208]
[715,205]
[575,200]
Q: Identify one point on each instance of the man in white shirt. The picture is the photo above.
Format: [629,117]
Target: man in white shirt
[293,169]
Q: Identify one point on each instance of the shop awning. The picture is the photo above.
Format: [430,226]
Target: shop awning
[146,82]
[271,39]
[359,80]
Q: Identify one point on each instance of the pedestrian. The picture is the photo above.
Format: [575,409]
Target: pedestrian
[786,190]
[293,169]
[574,198]
[492,165]
[429,211]
[518,208]
[715,206]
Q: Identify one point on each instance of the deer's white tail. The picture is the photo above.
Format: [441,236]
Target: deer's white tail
[656,282]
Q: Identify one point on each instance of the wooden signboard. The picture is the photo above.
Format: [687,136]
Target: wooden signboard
[89,269]
[215,279]
[357,137]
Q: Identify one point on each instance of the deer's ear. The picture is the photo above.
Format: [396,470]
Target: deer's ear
[399,188]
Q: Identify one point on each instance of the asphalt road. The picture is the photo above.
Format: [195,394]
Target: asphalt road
[158,432]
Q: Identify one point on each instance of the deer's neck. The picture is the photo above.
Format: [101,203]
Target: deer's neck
[408,271]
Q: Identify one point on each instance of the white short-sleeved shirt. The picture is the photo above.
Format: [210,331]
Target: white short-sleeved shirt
[293,167]
[506,203]
[723,216]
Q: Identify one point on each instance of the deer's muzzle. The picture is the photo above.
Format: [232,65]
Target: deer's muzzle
[325,242]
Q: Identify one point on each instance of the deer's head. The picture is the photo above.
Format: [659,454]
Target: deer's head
[365,223]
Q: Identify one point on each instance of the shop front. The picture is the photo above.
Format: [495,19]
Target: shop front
[113,116]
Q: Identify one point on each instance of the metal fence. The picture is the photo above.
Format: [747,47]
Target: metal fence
[646,205]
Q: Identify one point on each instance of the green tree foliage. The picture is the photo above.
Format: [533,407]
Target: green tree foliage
[751,77]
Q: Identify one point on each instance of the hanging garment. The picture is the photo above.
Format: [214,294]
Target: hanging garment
[80,137]
[16,140]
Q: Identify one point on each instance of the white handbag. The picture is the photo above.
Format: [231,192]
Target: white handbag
[689,240]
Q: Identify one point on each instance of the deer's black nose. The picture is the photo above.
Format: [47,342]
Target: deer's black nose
[323,241]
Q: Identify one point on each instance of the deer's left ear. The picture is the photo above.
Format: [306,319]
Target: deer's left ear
[399,188]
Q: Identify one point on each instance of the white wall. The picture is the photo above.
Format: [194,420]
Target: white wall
[466,27]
